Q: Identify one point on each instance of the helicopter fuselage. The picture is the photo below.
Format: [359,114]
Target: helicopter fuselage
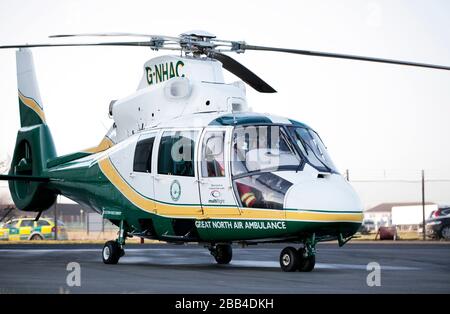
[187,160]
[206,193]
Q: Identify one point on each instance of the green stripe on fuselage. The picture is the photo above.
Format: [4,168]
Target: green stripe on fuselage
[84,182]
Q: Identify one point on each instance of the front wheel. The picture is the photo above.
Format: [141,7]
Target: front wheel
[223,253]
[306,263]
[289,259]
[111,252]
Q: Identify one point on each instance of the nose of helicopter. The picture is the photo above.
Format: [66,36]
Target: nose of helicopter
[325,193]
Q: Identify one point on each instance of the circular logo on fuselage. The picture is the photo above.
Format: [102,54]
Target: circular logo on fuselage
[215,193]
[175,190]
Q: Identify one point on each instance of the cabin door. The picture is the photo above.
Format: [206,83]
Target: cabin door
[216,192]
[176,184]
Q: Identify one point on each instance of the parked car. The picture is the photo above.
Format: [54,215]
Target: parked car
[441,211]
[367,226]
[28,229]
[438,227]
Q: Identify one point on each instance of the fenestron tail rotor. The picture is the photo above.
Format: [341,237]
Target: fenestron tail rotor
[201,44]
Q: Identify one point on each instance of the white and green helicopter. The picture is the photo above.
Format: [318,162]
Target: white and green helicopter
[186,160]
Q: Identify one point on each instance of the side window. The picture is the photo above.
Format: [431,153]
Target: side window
[27,223]
[213,164]
[41,223]
[143,155]
[176,153]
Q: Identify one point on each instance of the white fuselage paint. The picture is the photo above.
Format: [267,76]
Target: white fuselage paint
[189,95]
[328,192]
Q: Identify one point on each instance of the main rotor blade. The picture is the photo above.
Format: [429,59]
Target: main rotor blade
[243,73]
[162,37]
[130,43]
[343,56]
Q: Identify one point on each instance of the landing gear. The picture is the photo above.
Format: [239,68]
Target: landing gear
[293,260]
[289,259]
[223,253]
[113,250]
[303,259]
[307,262]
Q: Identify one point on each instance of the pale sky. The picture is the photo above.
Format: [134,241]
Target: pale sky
[371,116]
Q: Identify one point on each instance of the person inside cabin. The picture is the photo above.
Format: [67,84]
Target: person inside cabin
[246,193]
[214,155]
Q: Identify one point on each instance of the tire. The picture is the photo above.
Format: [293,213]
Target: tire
[111,252]
[289,259]
[445,233]
[223,253]
[306,264]
[36,237]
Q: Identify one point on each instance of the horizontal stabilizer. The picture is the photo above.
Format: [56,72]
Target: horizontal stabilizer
[9,177]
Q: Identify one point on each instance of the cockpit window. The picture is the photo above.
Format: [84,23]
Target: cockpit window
[313,148]
[262,148]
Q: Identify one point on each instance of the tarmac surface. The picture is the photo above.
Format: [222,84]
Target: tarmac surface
[165,268]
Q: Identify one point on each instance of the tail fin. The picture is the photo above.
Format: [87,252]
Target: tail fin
[30,103]
[34,144]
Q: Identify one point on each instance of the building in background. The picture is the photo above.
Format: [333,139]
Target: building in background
[406,216]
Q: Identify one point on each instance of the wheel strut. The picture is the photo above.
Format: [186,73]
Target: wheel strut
[303,259]
[113,250]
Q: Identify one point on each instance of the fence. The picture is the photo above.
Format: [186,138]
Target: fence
[398,186]
[373,186]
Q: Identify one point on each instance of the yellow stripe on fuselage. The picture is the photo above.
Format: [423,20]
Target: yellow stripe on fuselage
[144,203]
[174,210]
[102,146]
[33,105]
[323,217]
[114,177]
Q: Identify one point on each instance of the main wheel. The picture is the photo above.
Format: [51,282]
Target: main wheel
[445,233]
[223,253]
[306,264]
[111,252]
[289,259]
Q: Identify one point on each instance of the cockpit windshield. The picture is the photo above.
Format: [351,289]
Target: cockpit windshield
[313,148]
[262,148]
[258,152]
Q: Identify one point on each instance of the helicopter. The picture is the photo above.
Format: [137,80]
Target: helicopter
[187,160]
